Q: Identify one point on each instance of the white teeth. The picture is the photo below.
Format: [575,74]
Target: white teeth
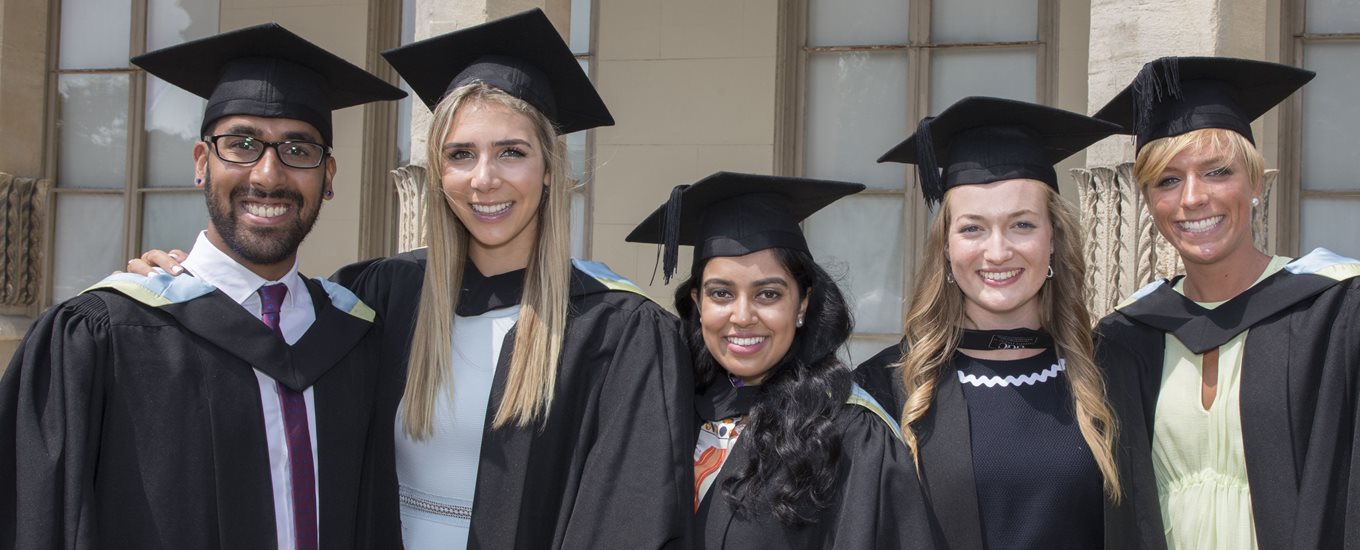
[1200,226]
[265,211]
[491,209]
[999,275]
[751,341]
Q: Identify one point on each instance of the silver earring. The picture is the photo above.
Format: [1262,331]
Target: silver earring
[948,276]
[1050,272]
[1255,201]
[799,324]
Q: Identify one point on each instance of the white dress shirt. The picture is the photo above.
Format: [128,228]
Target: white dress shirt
[296,315]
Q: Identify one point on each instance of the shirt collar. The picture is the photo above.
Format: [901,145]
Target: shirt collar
[216,268]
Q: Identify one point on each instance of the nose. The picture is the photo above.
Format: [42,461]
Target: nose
[484,176]
[1194,194]
[743,312]
[267,172]
[998,248]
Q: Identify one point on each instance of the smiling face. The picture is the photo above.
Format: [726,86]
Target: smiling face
[493,178]
[1201,204]
[999,246]
[260,212]
[749,307]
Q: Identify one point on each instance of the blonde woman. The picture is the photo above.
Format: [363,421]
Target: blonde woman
[545,403]
[1238,380]
[1001,403]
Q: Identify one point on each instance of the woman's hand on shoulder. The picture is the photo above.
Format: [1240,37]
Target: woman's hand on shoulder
[151,259]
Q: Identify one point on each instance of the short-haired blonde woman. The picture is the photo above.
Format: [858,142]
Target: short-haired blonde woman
[1002,404]
[1238,381]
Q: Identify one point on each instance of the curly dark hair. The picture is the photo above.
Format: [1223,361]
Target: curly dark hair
[793,444]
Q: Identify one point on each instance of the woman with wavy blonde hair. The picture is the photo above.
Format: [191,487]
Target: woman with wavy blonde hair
[1001,403]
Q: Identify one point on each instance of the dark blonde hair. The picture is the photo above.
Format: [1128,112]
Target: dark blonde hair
[543,308]
[936,316]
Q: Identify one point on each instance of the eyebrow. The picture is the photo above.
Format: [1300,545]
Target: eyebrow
[295,135]
[1012,215]
[500,143]
[778,281]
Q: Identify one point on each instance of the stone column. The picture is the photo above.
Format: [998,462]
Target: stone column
[1123,251]
[23,92]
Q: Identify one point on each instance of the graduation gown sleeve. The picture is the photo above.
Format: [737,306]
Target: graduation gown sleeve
[49,400]
[881,504]
[634,481]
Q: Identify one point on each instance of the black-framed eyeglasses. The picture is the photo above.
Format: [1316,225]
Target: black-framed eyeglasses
[239,149]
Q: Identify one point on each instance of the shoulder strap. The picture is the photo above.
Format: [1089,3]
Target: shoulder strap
[858,396]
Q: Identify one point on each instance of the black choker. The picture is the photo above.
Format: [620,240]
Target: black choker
[1016,338]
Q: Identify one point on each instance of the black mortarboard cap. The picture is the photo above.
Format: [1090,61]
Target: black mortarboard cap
[521,54]
[1174,95]
[730,214]
[986,139]
[267,71]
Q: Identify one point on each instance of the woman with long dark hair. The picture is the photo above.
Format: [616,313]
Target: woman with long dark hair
[789,453]
[1237,381]
[1000,399]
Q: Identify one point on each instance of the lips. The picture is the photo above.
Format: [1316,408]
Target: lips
[1200,226]
[743,345]
[491,209]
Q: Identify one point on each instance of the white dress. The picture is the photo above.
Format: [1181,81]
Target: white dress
[438,476]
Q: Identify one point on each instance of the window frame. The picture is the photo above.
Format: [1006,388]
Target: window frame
[791,108]
[1294,41]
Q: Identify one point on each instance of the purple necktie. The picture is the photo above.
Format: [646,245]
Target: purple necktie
[295,427]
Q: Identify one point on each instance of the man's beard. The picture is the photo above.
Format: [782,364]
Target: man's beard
[259,245]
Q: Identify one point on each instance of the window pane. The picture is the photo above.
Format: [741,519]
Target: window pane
[1331,16]
[856,110]
[576,155]
[859,240]
[1332,223]
[1330,117]
[963,21]
[404,106]
[170,22]
[93,130]
[580,26]
[857,22]
[89,241]
[956,74]
[172,220]
[578,224]
[172,124]
[95,33]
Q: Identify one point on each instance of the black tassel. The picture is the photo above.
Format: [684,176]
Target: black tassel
[932,186]
[1158,81]
[671,238]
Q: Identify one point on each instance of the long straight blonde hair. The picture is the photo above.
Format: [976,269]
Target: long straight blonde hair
[542,322]
[936,316]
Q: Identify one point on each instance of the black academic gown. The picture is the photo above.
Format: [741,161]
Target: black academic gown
[610,468]
[130,417]
[878,501]
[1298,396]
[944,438]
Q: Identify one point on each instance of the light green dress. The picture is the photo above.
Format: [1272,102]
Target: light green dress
[1197,454]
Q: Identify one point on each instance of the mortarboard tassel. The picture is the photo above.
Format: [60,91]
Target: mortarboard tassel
[671,238]
[1158,80]
[932,187]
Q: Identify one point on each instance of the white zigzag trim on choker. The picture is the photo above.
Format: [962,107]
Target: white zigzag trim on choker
[1024,379]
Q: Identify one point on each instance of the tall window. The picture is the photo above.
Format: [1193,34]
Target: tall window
[580,144]
[873,68]
[124,181]
[1329,194]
